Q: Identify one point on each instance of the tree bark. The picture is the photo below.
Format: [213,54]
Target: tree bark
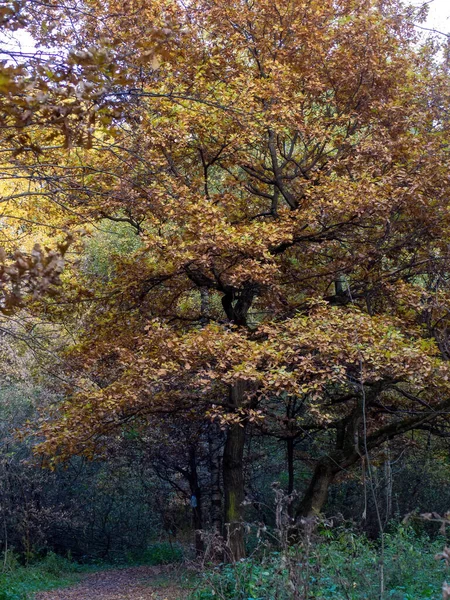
[233,479]
[214,444]
[196,502]
[316,495]
[290,461]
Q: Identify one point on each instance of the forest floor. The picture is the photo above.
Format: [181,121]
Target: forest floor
[133,583]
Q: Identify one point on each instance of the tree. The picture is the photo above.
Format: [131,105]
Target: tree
[26,276]
[285,167]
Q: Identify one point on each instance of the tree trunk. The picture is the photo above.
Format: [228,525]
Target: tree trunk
[196,502]
[388,484]
[348,454]
[233,483]
[317,492]
[291,474]
[233,479]
[214,443]
[290,461]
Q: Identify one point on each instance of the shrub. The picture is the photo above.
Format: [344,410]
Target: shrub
[248,579]
[56,565]
[161,553]
[19,582]
[341,566]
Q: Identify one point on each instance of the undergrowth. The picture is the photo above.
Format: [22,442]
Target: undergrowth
[18,582]
[340,565]
[337,565]
[159,553]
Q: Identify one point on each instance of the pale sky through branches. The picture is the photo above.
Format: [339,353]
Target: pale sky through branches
[439,15]
[438,19]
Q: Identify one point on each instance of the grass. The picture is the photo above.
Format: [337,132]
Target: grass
[18,582]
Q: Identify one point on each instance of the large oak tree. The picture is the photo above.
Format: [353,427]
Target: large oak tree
[285,166]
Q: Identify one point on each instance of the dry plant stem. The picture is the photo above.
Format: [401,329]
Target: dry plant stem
[368,461]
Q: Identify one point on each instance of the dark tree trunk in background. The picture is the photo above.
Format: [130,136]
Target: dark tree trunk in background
[233,479]
[291,473]
[350,449]
[316,495]
[214,442]
[196,502]
[290,461]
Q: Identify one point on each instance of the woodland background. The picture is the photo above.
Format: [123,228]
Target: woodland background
[225,295]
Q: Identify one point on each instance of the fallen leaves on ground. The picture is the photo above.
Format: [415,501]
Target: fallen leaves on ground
[135,583]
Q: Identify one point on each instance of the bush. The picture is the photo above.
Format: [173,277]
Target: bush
[18,582]
[57,566]
[350,567]
[341,566]
[161,553]
[248,579]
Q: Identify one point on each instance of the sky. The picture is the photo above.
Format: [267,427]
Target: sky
[439,15]
[438,18]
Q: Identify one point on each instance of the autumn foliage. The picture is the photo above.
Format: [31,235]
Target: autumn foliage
[284,166]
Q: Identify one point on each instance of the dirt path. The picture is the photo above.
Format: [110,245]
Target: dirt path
[136,583]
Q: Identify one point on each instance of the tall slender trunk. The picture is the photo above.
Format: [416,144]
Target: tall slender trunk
[214,443]
[388,484]
[196,502]
[233,479]
[290,461]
